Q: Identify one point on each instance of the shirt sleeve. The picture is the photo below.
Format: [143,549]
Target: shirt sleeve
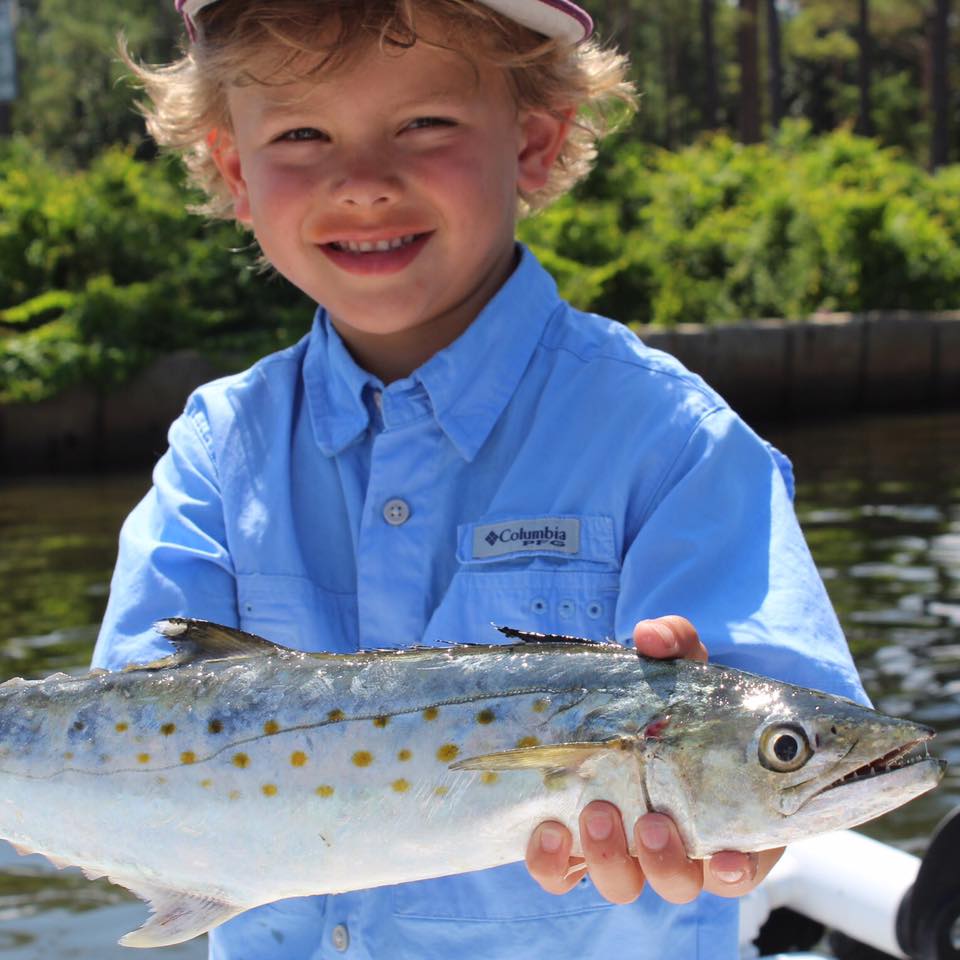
[173,557]
[720,544]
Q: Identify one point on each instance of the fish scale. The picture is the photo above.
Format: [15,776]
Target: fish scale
[237,772]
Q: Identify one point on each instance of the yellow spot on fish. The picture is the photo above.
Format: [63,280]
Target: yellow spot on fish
[298,758]
[401,786]
[362,758]
[234,794]
[485,716]
[143,758]
[241,760]
[188,756]
[335,716]
[206,784]
[540,705]
[215,726]
[325,790]
[381,722]
[269,789]
[447,753]
[441,791]
[528,742]
[430,713]
[122,727]
[68,755]
[490,777]
[404,755]
[271,727]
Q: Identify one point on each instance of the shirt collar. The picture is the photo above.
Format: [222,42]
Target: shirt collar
[467,384]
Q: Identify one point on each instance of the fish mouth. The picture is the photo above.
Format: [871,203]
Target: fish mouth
[907,755]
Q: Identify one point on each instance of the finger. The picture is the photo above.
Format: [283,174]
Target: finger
[668,638]
[548,858]
[664,861]
[730,874]
[614,873]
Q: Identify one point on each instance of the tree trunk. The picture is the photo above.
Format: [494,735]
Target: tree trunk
[775,64]
[865,70]
[939,39]
[626,27]
[668,73]
[711,101]
[749,72]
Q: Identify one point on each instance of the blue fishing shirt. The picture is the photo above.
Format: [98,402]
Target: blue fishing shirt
[546,471]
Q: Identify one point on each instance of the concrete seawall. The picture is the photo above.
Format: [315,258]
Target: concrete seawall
[769,370]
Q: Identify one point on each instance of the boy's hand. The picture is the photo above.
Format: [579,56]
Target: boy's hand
[661,859]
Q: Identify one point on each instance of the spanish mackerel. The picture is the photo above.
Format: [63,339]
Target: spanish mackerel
[237,772]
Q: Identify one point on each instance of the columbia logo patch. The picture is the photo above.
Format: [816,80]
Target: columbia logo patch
[552,534]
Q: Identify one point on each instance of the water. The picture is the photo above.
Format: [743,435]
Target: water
[879,500]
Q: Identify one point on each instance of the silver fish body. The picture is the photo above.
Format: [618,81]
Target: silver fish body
[239,773]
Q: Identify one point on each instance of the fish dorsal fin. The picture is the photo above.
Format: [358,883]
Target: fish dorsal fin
[548,757]
[197,640]
[176,916]
[529,636]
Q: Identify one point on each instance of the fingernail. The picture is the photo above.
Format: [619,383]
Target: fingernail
[551,839]
[730,876]
[654,835]
[599,826]
[665,634]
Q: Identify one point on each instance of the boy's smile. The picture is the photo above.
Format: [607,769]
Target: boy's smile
[387,191]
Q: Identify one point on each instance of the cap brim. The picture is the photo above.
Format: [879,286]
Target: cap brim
[553,18]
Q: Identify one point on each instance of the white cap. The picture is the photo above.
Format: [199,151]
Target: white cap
[553,18]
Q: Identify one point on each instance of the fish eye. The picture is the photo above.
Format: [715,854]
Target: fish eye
[784,748]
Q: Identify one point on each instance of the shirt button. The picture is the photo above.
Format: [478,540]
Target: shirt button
[396,512]
[340,937]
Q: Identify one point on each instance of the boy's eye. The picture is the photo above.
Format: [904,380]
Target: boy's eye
[301,134]
[425,123]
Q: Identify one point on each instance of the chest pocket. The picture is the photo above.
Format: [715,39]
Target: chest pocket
[525,583]
[296,613]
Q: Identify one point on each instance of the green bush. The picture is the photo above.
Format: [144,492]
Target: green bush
[721,232]
[102,269]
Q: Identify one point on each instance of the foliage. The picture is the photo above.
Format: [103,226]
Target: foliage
[820,53]
[75,98]
[102,269]
[721,232]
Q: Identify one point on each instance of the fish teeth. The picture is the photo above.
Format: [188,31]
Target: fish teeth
[373,246]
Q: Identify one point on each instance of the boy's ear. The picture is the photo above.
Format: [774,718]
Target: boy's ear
[223,150]
[543,136]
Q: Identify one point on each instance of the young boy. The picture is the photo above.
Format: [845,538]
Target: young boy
[453,445]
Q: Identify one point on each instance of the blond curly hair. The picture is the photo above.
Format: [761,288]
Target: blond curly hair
[284,41]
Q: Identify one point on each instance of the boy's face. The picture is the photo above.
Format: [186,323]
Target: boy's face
[387,192]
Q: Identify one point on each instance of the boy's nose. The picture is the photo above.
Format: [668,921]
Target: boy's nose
[366,186]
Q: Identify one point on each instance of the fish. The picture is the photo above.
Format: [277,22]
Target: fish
[237,772]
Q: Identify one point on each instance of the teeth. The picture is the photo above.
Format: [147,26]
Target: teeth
[371,246]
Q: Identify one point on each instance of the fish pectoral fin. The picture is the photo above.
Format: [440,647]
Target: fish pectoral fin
[547,757]
[176,915]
